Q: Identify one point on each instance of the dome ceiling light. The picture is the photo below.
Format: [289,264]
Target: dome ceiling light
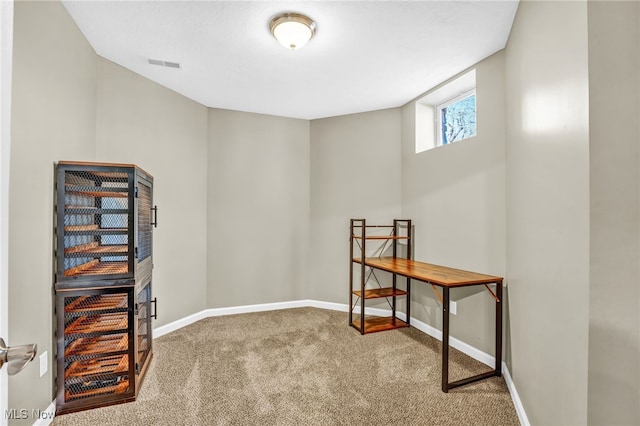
[292,30]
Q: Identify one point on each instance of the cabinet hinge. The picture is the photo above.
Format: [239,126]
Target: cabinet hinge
[136,192]
[137,368]
[135,252]
[135,309]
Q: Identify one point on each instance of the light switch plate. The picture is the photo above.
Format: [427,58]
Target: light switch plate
[44,363]
[453,307]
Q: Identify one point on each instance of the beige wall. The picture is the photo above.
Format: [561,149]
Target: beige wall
[143,123]
[547,210]
[53,118]
[355,173]
[614,139]
[456,198]
[258,208]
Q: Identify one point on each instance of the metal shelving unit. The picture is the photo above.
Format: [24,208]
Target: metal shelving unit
[370,286]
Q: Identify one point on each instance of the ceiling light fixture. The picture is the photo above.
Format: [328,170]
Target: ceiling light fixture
[292,30]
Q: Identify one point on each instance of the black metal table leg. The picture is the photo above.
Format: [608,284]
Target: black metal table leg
[445,340]
[498,371]
[445,344]
[408,302]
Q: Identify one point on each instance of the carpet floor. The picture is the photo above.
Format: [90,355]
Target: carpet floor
[303,366]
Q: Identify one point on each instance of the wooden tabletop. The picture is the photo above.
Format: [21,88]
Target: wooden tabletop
[434,274]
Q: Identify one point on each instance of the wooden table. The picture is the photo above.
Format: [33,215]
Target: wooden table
[447,278]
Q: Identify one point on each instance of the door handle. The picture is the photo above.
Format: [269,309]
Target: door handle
[155,216]
[155,304]
[17,357]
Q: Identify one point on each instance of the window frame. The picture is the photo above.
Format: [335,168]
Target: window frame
[445,104]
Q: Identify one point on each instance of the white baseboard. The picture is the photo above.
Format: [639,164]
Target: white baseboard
[522,415]
[425,328]
[327,305]
[45,417]
[216,312]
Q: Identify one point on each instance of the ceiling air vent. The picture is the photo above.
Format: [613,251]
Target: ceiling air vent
[164,63]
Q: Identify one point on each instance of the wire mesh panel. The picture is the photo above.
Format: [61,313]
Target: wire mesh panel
[94,215]
[143,331]
[144,220]
[96,344]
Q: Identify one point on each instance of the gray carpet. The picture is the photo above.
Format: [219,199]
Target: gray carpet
[303,366]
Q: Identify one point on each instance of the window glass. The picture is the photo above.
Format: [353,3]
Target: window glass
[457,118]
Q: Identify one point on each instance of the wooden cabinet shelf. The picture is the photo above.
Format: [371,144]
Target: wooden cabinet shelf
[90,210]
[91,230]
[97,388]
[98,323]
[111,365]
[101,194]
[100,302]
[100,345]
[95,267]
[95,249]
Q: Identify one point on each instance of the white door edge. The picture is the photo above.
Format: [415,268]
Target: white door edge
[6,49]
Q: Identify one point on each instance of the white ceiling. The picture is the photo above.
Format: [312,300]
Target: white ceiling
[365,56]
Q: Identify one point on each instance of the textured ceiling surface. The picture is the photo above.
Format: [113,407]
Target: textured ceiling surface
[365,56]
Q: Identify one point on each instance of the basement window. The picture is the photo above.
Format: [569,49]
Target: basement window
[456,118]
[446,114]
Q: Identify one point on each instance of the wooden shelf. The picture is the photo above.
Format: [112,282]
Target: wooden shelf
[380,292]
[101,302]
[113,365]
[94,390]
[85,210]
[381,237]
[375,324]
[98,323]
[93,230]
[97,191]
[97,345]
[95,248]
[95,267]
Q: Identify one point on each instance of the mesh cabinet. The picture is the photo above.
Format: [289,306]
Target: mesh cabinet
[104,227]
[95,347]
[104,223]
